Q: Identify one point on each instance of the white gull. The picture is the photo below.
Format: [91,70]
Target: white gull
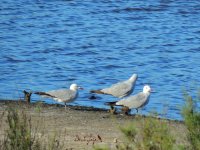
[135,101]
[120,89]
[62,95]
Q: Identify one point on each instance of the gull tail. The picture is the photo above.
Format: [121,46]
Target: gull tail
[97,91]
[112,107]
[111,103]
[43,94]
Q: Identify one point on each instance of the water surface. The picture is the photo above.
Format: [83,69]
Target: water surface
[47,45]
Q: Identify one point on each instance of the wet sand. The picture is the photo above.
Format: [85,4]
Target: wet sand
[80,127]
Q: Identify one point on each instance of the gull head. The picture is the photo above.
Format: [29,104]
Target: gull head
[133,77]
[75,87]
[147,89]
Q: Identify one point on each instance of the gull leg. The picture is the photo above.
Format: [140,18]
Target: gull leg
[65,106]
[112,110]
[126,110]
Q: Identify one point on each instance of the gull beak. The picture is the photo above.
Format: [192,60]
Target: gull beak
[80,88]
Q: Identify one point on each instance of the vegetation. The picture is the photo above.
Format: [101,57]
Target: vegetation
[19,132]
[154,134]
[21,136]
[191,117]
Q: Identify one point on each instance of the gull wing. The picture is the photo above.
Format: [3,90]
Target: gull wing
[62,94]
[135,101]
[120,89]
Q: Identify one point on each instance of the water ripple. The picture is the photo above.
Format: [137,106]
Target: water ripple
[49,45]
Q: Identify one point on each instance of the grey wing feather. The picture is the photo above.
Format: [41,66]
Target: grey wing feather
[120,89]
[63,94]
[135,101]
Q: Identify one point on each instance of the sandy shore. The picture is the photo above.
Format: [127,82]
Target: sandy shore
[80,127]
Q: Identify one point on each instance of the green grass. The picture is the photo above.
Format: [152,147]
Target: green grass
[155,135]
[20,134]
[152,134]
[191,115]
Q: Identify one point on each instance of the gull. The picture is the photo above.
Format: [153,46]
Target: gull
[120,89]
[135,101]
[62,95]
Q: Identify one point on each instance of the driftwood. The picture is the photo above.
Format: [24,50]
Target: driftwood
[27,96]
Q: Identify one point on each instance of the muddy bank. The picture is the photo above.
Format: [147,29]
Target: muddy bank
[79,127]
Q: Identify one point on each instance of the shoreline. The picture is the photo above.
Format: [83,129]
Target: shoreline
[75,107]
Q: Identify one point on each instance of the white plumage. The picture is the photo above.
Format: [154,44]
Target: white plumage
[135,101]
[62,95]
[120,89]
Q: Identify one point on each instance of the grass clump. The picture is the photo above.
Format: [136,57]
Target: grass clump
[19,131]
[191,117]
[155,135]
[152,134]
[20,135]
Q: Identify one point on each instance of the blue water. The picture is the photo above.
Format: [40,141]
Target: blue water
[46,45]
